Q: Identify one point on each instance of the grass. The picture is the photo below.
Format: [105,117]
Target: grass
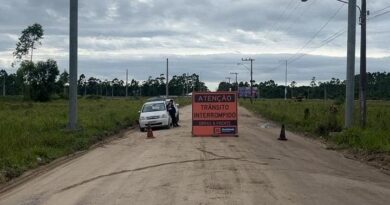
[32,134]
[321,118]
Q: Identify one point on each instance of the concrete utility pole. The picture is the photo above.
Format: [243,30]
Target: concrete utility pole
[251,60]
[236,79]
[363,65]
[73,46]
[285,86]
[349,102]
[127,82]
[167,83]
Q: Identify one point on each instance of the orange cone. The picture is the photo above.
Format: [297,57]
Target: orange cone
[282,134]
[150,133]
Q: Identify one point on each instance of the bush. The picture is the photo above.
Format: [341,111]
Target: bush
[39,79]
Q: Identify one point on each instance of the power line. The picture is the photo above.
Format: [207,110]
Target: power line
[380,10]
[279,26]
[288,28]
[335,36]
[318,32]
[326,42]
[279,19]
[378,15]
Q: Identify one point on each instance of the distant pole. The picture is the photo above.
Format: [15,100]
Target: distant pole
[187,82]
[112,89]
[4,86]
[73,46]
[251,81]
[251,60]
[325,93]
[285,86]
[349,101]
[127,82]
[363,65]
[167,83]
[236,79]
[228,78]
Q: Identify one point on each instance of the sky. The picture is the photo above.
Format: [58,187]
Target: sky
[200,36]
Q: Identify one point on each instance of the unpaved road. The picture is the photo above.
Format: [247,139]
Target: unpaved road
[176,168]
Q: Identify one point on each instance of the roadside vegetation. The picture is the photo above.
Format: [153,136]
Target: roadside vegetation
[34,133]
[325,119]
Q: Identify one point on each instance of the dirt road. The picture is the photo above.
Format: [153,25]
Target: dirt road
[176,168]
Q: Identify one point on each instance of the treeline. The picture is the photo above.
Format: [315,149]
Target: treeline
[378,88]
[41,81]
[178,85]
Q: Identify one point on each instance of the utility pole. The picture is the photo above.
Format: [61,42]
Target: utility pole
[325,93]
[4,85]
[251,60]
[236,79]
[363,65]
[228,78]
[112,89]
[285,86]
[73,46]
[187,82]
[167,83]
[349,102]
[127,82]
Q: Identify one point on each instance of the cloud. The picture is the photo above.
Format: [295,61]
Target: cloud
[206,37]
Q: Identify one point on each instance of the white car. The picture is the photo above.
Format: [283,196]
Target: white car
[154,114]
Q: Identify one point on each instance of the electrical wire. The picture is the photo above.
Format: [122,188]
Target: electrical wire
[279,19]
[326,42]
[378,15]
[380,10]
[317,33]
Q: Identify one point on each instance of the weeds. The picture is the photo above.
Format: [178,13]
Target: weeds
[32,134]
[321,118]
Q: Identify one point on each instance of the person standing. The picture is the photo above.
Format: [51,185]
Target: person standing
[172,113]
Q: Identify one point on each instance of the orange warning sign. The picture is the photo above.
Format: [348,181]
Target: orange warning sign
[214,114]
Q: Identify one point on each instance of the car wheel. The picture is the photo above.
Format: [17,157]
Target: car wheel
[142,129]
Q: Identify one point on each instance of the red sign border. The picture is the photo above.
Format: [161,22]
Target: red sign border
[192,114]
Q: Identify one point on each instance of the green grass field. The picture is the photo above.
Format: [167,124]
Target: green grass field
[34,133]
[319,118]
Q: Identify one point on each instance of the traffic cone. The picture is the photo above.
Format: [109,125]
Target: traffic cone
[150,133]
[282,134]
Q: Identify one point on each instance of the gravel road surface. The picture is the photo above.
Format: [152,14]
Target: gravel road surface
[176,168]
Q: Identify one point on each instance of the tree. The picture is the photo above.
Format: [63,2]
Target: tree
[40,79]
[82,83]
[3,79]
[313,82]
[224,86]
[293,85]
[93,85]
[61,83]
[134,87]
[27,41]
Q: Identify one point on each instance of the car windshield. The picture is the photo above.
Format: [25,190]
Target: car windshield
[154,107]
